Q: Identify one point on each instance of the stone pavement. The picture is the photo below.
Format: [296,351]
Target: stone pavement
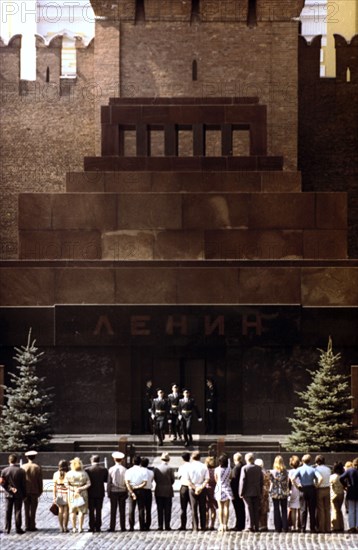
[49,538]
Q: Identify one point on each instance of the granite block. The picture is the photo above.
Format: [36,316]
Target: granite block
[35,210]
[60,245]
[331,210]
[202,211]
[149,211]
[282,210]
[325,244]
[260,285]
[329,286]
[84,211]
[207,285]
[127,245]
[281,182]
[84,286]
[23,286]
[180,245]
[145,286]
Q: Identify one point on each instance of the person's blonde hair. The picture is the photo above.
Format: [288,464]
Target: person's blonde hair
[279,464]
[210,461]
[76,464]
[348,464]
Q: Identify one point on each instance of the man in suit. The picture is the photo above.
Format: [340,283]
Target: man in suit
[173,400]
[250,489]
[187,407]
[159,415]
[98,475]
[164,479]
[14,484]
[34,488]
[238,503]
[211,407]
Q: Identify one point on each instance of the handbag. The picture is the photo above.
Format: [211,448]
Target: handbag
[54,509]
[78,502]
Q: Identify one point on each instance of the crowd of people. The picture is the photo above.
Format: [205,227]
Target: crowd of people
[207,489]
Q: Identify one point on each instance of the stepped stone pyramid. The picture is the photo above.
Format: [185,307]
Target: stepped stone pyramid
[157,219]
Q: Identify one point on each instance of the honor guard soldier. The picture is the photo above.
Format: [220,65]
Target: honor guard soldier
[210,406]
[159,415]
[148,396]
[173,400]
[187,406]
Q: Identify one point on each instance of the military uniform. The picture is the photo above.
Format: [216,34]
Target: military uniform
[173,401]
[186,408]
[147,408]
[211,409]
[160,412]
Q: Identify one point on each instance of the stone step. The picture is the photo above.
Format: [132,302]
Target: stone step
[249,163]
[184,182]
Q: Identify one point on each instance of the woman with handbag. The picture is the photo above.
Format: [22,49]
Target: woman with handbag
[60,494]
[279,491]
[77,482]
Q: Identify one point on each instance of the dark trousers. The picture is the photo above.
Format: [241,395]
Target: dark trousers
[118,500]
[176,432]
[132,506]
[186,424]
[252,510]
[210,422]
[16,504]
[31,502]
[95,513]
[198,502]
[159,428]
[164,509]
[308,505]
[323,510]
[280,514]
[147,498]
[184,501]
[239,507]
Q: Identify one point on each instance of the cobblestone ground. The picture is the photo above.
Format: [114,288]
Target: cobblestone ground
[49,538]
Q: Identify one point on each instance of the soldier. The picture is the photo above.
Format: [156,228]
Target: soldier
[148,396]
[34,489]
[159,415]
[187,406]
[173,400]
[210,406]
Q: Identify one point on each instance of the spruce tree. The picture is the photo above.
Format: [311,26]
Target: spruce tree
[324,420]
[25,423]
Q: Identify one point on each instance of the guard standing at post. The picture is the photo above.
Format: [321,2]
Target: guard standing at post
[211,406]
[159,415]
[173,400]
[187,406]
[148,396]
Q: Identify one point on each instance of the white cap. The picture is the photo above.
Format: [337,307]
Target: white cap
[117,454]
[31,453]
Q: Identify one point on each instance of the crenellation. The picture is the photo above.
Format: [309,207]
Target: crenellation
[10,65]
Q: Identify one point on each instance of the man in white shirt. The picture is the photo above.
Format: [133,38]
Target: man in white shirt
[323,496]
[184,489]
[117,491]
[136,479]
[198,476]
[147,494]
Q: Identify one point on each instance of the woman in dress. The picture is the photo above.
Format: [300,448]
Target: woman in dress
[60,494]
[294,505]
[211,504]
[77,482]
[336,497]
[223,492]
[279,491]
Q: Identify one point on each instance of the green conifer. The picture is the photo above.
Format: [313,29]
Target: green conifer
[324,421]
[25,422]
